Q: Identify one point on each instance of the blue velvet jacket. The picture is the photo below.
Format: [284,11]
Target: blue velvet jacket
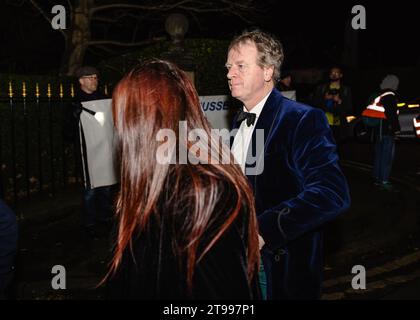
[301,187]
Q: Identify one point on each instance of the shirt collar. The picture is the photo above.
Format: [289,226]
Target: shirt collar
[258,108]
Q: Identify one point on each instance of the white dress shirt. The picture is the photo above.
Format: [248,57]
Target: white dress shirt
[244,134]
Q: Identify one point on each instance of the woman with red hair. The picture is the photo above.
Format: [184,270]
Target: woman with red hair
[185,231]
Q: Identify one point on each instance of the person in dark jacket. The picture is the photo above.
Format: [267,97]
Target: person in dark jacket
[385,132]
[8,247]
[285,83]
[335,99]
[187,226]
[97,201]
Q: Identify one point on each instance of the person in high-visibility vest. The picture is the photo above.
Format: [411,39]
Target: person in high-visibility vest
[382,116]
[416,122]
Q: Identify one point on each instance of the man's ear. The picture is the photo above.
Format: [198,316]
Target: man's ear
[80,81]
[268,73]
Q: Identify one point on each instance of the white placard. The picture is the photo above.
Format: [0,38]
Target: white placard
[100,141]
[216,109]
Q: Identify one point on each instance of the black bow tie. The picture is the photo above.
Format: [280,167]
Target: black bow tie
[250,117]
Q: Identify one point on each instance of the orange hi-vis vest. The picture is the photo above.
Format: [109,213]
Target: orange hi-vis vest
[376,110]
[416,122]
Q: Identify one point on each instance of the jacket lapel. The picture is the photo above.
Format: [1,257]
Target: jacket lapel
[265,122]
[235,127]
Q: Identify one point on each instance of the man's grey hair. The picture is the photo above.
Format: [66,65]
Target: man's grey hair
[270,49]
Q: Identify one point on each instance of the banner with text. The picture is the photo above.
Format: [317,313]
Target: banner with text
[216,109]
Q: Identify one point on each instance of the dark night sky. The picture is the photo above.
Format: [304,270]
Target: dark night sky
[391,30]
[312,33]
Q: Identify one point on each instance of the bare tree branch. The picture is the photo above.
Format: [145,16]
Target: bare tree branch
[106,49]
[130,23]
[205,10]
[244,5]
[15,3]
[117,18]
[161,7]
[103,19]
[95,52]
[71,7]
[45,15]
[123,44]
[196,19]
[136,29]
[237,8]
[111,67]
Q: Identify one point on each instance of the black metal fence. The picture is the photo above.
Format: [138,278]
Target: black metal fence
[34,156]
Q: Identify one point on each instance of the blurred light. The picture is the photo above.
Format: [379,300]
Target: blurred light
[100,117]
[350,119]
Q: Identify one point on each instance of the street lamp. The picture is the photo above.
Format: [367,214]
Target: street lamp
[176,25]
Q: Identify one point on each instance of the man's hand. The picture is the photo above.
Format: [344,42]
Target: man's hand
[337,99]
[77,110]
[328,96]
[261,241]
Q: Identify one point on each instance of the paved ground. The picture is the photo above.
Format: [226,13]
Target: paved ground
[60,240]
[380,232]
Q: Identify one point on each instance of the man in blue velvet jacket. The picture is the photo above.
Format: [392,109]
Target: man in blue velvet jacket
[293,169]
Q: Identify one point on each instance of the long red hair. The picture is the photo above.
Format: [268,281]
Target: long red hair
[156,95]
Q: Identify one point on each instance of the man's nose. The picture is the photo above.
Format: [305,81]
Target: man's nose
[231,73]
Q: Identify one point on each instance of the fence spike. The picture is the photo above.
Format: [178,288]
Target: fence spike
[24,89]
[10,90]
[37,90]
[61,91]
[49,90]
